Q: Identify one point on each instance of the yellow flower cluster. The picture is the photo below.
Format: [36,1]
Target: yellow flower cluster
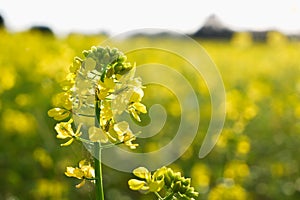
[99,87]
[84,171]
[176,186]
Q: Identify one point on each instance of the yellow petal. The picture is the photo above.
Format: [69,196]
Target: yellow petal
[89,172]
[109,83]
[159,174]
[156,186]
[142,172]
[97,135]
[140,107]
[62,116]
[134,114]
[52,112]
[80,184]
[78,173]
[135,184]
[69,171]
[137,95]
[121,127]
[64,129]
[67,143]
[83,163]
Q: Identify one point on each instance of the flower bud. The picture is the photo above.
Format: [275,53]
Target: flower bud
[183,189]
[190,192]
[186,181]
[168,180]
[109,72]
[176,186]
[86,53]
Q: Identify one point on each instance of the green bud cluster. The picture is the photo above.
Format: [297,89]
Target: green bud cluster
[179,184]
[109,61]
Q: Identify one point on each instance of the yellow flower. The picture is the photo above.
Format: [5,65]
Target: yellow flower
[59,113]
[124,134]
[85,171]
[64,130]
[166,178]
[152,183]
[137,95]
[105,88]
[135,109]
[128,90]
[63,100]
[106,113]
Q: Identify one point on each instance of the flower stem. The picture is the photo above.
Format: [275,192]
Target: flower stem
[158,196]
[169,196]
[98,172]
[97,152]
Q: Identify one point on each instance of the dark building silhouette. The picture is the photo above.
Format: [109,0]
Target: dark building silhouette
[259,36]
[45,30]
[213,29]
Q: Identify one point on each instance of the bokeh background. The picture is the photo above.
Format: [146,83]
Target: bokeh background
[257,154]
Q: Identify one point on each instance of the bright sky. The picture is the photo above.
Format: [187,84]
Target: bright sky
[116,16]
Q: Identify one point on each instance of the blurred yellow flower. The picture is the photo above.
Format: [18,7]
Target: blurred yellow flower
[236,170]
[228,192]
[243,146]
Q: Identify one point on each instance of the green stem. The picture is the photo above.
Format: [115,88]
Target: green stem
[158,196]
[97,152]
[98,172]
[169,197]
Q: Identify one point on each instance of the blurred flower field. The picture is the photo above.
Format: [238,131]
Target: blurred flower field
[256,156]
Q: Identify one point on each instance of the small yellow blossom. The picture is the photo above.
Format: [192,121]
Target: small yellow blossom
[105,88]
[135,109]
[84,171]
[152,183]
[106,113]
[63,100]
[137,95]
[124,134]
[64,130]
[59,113]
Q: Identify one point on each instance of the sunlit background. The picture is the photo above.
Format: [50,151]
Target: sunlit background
[255,45]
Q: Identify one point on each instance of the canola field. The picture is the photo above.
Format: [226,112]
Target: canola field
[255,158]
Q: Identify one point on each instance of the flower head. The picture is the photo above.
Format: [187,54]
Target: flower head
[84,171]
[64,130]
[125,135]
[163,178]
[151,183]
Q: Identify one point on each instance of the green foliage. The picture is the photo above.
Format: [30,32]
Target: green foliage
[256,156]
